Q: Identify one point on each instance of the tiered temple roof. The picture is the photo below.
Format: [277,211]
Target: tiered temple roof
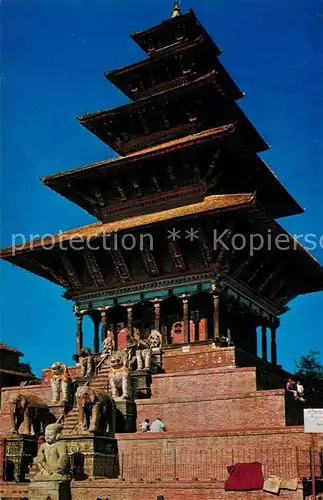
[190,158]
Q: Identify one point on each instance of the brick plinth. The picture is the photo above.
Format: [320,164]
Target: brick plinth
[172,491]
[207,383]
[282,451]
[193,357]
[117,490]
[258,409]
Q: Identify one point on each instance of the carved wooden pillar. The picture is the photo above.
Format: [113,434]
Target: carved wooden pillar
[216,316]
[157,315]
[273,345]
[129,322]
[96,341]
[186,320]
[79,332]
[264,343]
[104,325]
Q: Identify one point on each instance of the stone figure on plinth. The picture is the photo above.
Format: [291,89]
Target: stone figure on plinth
[108,347]
[52,459]
[119,376]
[130,350]
[87,362]
[60,381]
[143,352]
[155,342]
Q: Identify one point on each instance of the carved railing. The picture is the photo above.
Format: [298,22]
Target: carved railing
[287,462]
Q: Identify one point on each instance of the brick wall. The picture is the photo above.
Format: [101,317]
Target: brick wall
[207,383]
[117,490]
[199,356]
[283,452]
[253,410]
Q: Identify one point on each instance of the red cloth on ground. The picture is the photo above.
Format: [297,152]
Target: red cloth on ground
[244,477]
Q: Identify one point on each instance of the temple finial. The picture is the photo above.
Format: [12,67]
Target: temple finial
[176,10]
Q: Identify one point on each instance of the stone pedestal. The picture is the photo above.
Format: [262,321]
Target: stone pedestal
[92,456]
[20,452]
[140,384]
[126,416]
[49,490]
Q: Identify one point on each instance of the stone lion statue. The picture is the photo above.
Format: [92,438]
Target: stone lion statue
[119,376]
[60,381]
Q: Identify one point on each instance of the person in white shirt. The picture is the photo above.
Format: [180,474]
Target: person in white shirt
[300,391]
[144,426]
[157,426]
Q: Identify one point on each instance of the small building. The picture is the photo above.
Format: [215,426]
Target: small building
[12,371]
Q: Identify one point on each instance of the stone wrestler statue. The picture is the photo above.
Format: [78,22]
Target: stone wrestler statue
[52,458]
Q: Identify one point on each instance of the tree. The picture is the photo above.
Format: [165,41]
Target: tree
[310,370]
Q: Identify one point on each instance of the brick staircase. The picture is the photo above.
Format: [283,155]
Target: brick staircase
[99,382]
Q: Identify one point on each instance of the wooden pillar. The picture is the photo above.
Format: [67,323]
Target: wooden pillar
[186,320]
[216,315]
[157,315]
[273,345]
[79,332]
[103,326]
[96,341]
[129,322]
[264,343]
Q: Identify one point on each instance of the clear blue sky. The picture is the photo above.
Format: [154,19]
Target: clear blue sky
[53,56]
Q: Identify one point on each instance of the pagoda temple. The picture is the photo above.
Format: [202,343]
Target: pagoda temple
[184,245]
[189,163]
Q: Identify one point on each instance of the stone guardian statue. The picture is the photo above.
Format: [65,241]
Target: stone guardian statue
[52,459]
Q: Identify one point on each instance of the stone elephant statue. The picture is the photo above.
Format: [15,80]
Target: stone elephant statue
[29,415]
[119,376]
[96,411]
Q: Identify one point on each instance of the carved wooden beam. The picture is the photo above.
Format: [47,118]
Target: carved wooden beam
[137,187]
[224,254]
[176,256]
[121,191]
[149,260]
[120,264]
[206,249]
[259,268]
[213,164]
[170,170]
[70,271]
[270,277]
[93,268]
[156,184]
[58,279]
[142,120]
[98,196]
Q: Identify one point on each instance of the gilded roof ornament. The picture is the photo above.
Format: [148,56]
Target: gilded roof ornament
[176,10]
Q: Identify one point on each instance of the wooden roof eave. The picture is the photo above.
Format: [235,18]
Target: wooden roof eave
[164,148]
[140,36]
[210,204]
[125,108]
